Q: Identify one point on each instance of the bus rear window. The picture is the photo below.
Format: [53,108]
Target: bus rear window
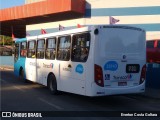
[112,43]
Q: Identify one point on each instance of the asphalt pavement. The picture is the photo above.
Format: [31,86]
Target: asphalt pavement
[149,92]
[18,96]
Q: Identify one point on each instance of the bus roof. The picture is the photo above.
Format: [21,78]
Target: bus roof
[65,32]
[77,30]
[88,28]
[18,40]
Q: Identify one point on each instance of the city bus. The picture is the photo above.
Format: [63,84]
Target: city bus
[91,61]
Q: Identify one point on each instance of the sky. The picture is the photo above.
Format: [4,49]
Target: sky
[10,3]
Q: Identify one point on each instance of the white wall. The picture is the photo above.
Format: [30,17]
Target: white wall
[139,13]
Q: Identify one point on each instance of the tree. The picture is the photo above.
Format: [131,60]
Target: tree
[5,40]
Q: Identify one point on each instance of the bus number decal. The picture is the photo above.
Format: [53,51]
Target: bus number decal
[111,65]
[79,69]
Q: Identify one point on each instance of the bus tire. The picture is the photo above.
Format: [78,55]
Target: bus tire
[52,84]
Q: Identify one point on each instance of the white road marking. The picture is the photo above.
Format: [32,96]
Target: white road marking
[51,104]
[19,88]
[16,87]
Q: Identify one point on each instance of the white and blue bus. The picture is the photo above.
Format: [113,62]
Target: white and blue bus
[91,61]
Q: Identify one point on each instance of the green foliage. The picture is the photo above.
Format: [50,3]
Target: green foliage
[6,39]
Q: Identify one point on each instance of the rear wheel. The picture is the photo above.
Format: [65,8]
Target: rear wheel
[52,84]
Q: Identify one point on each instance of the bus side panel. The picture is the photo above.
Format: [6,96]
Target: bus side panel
[20,61]
[90,90]
[17,65]
[44,68]
[72,77]
[31,69]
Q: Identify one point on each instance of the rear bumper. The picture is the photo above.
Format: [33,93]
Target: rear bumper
[103,91]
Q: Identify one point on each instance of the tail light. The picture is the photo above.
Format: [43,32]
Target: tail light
[143,75]
[98,75]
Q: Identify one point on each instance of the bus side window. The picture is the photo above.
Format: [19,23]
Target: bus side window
[40,48]
[50,48]
[80,49]
[63,51]
[84,54]
[16,52]
[23,49]
[31,49]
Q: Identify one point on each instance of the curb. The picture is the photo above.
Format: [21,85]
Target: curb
[6,67]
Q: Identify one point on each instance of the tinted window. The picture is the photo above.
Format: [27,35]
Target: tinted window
[40,49]
[24,49]
[63,51]
[16,52]
[31,49]
[50,48]
[80,47]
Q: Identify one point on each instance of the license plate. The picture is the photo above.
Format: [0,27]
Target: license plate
[122,83]
[132,68]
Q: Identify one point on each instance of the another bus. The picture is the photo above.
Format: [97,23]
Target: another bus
[153,51]
[90,61]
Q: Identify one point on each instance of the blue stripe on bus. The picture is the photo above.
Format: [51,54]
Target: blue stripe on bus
[20,63]
[122,11]
[20,40]
[147,27]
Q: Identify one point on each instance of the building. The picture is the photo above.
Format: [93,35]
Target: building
[49,14]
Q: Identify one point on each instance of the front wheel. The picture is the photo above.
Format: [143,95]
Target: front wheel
[52,84]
